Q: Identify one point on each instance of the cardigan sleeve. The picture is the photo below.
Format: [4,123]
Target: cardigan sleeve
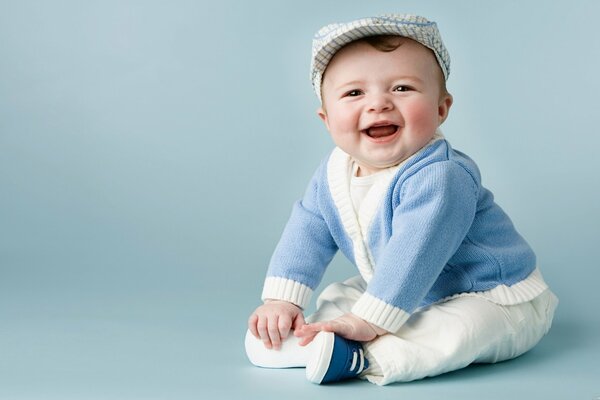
[304,251]
[436,208]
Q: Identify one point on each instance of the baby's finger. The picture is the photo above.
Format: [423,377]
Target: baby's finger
[252,325]
[307,339]
[339,326]
[284,325]
[308,332]
[263,333]
[314,327]
[273,330]
[299,321]
[334,326]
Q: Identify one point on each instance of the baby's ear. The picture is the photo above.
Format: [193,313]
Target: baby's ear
[323,115]
[444,107]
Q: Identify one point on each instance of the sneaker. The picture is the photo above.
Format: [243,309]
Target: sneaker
[334,359]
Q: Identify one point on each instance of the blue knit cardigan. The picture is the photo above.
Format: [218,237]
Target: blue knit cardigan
[426,231]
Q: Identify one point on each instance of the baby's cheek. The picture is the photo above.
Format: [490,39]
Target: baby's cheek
[424,117]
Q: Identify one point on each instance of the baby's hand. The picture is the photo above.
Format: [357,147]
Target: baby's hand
[272,322]
[348,326]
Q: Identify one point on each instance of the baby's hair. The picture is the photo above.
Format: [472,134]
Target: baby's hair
[385,43]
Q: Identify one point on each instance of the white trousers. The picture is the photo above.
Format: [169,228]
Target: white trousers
[445,336]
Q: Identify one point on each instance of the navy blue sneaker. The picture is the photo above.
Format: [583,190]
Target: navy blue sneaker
[334,359]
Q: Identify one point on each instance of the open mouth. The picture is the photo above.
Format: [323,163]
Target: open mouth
[381,131]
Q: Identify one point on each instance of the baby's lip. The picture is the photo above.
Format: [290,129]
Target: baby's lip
[379,123]
[380,129]
[382,123]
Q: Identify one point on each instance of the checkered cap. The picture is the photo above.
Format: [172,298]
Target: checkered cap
[329,39]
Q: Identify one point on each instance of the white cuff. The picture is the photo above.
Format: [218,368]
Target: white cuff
[288,290]
[380,313]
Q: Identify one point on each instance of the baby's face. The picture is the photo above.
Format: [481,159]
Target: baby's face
[382,107]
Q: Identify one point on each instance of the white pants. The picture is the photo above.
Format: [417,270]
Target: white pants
[445,336]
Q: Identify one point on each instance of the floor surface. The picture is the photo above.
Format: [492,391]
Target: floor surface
[172,354]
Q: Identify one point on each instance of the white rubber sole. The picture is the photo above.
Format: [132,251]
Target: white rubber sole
[320,357]
[291,354]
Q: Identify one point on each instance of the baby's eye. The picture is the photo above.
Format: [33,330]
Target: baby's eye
[402,88]
[353,93]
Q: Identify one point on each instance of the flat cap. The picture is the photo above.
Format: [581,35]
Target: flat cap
[331,38]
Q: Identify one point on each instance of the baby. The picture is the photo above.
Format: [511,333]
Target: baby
[445,279]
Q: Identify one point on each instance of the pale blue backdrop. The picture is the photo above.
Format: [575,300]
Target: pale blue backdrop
[150,152]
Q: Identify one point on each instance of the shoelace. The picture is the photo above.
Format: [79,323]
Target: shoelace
[356,358]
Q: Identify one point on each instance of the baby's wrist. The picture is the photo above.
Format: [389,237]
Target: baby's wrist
[377,330]
[270,301]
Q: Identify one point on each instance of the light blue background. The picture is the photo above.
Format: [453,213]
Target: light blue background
[150,152]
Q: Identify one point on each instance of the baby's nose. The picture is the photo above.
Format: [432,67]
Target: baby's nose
[380,102]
